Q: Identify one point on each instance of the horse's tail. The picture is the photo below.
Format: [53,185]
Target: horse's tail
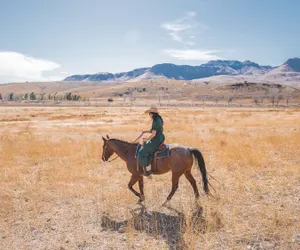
[201,165]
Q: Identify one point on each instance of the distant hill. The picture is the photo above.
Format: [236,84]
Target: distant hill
[293,64]
[179,72]
[201,78]
[288,73]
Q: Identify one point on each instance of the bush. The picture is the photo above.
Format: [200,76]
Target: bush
[32,96]
[110,100]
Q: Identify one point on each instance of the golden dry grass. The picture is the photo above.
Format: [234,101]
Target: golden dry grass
[56,193]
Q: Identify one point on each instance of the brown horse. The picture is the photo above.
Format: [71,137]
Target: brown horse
[179,161]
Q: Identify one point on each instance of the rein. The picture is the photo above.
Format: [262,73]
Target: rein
[124,150]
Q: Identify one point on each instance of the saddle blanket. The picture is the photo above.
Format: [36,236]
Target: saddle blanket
[157,154]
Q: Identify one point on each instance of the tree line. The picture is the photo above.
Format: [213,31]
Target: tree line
[274,99]
[32,96]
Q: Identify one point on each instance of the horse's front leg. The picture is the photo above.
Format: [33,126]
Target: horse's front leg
[141,186]
[133,180]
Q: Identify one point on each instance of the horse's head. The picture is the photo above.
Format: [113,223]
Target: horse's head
[107,150]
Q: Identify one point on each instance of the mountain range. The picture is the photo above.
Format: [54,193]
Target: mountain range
[289,71]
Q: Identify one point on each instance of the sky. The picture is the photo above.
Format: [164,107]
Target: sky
[44,40]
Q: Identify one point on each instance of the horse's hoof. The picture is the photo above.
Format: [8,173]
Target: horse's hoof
[142,198]
[165,203]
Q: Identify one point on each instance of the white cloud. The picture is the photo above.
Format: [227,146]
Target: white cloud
[193,55]
[176,37]
[176,27]
[180,30]
[18,67]
[183,31]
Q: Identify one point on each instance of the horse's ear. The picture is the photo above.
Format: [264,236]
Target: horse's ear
[103,138]
[107,136]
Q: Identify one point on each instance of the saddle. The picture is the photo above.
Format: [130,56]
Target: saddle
[162,151]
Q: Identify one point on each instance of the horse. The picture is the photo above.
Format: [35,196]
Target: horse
[180,161]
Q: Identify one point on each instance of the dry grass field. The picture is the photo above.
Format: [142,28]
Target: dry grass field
[56,193]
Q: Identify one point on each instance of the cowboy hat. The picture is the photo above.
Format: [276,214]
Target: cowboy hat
[152,109]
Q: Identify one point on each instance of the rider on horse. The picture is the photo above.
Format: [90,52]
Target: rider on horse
[151,144]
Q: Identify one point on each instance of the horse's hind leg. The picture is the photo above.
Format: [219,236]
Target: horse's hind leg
[175,179]
[192,180]
[133,180]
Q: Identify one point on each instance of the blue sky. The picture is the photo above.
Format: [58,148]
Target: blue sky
[48,40]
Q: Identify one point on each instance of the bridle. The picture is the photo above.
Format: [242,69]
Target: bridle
[105,147]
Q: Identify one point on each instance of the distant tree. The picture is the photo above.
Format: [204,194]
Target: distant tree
[217,98]
[288,97]
[230,99]
[54,97]
[10,97]
[278,99]
[68,96]
[1,97]
[160,94]
[26,96]
[49,97]
[18,97]
[32,96]
[167,98]
[76,97]
[42,96]
[273,94]
[159,97]
[203,98]
[273,98]
[110,100]
[132,97]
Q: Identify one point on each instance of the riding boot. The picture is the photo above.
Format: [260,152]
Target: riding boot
[147,172]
